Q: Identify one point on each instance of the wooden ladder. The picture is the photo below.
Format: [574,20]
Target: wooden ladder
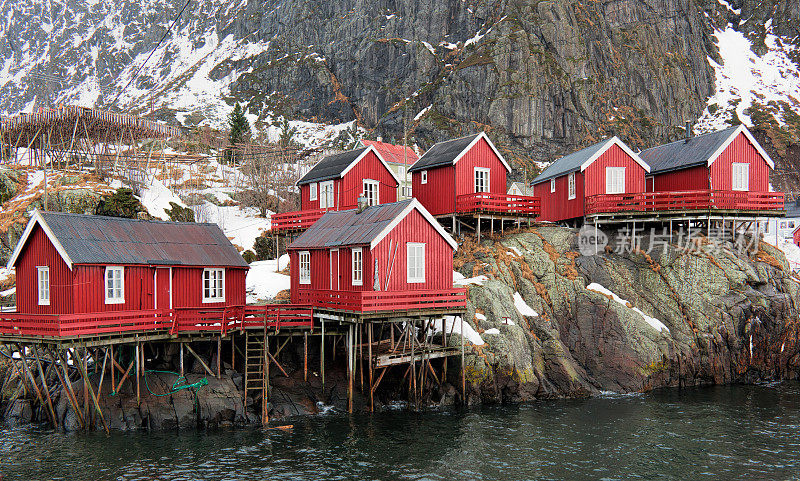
[254,363]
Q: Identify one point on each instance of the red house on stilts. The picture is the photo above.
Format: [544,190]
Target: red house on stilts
[466,177]
[70,264]
[392,258]
[336,183]
[608,167]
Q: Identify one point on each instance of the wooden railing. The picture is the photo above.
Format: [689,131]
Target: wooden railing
[377,301]
[84,324]
[484,202]
[685,200]
[167,321]
[294,221]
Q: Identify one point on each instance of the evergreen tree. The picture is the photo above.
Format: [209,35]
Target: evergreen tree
[239,129]
[121,203]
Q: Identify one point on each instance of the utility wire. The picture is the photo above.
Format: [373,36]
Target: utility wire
[153,51]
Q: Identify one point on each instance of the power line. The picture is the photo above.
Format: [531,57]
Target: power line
[154,50]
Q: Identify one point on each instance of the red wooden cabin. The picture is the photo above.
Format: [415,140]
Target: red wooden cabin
[608,167]
[336,183]
[70,263]
[467,175]
[387,257]
[724,170]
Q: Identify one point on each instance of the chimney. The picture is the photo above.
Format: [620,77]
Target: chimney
[688,130]
[379,139]
[362,204]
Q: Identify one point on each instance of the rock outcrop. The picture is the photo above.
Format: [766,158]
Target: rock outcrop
[626,322]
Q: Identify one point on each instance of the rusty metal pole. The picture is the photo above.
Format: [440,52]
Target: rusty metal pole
[463,373]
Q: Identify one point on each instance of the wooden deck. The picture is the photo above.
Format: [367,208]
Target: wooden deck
[152,323]
[505,205]
[293,222]
[684,205]
[386,304]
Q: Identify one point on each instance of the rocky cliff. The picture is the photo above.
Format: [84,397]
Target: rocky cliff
[545,77]
[629,321]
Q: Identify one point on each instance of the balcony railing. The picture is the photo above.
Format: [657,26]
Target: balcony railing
[166,321]
[380,301]
[295,221]
[503,204]
[685,200]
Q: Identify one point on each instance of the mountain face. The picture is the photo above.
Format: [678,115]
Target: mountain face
[545,77]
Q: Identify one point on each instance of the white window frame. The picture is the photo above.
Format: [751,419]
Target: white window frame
[615,184]
[740,176]
[327,199]
[571,190]
[43,285]
[415,274]
[423,176]
[215,293]
[552,185]
[357,262]
[312,191]
[372,184]
[407,191]
[487,181]
[117,275]
[304,267]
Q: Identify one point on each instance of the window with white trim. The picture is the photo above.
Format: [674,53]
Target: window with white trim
[304,259]
[115,284]
[615,180]
[741,176]
[312,191]
[481,179]
[407,192]
[371,191]
[358,266]
[415,255]
[326,199]
[571,186]
[423,177]
[552,185]
[43,284]
[213,285]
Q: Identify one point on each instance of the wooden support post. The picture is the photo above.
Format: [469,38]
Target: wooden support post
[205,366]
[94,398]
[478,229]
[113,377]
[67,387]
[45,387]
[233,352]
[138,375]
[412,338]
[463,373]
[371,364]
[305,356]
[322,356]
[265,371]
[219,356]
[181,358]
[350,368]
[360,338]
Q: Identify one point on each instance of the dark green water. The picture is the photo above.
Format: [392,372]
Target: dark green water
[740,432]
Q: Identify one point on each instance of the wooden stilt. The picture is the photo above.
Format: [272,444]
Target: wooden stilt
[265,395]
[233,353]
[463,373]
[219,357]
[181,358]
[305,356]
[113,362]
[45,387]
[371,365]
[360,337]
[94,398]
[412,337]
[138,375]
[322,356]
[205,366]
[350,367]
[125,376]
[66,385]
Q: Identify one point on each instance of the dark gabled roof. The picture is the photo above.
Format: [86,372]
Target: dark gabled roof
[351,228]
[91,239]
[685,153]
[443,153]
[348,227]
[569,163]
[332,166]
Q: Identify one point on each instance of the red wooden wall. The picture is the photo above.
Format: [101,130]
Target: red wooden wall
[447,182]
[718,176]
[89,290]
[555,206]
[740,150]
[347,190]
[595,173]
[187,287]
[414,228]
[41,252]
[438,195]
[693,178]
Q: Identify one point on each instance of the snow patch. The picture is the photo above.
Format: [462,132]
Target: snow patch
[493,331]
[263,282]
[653,322]
[523,307]
[452,324]
[477,280]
